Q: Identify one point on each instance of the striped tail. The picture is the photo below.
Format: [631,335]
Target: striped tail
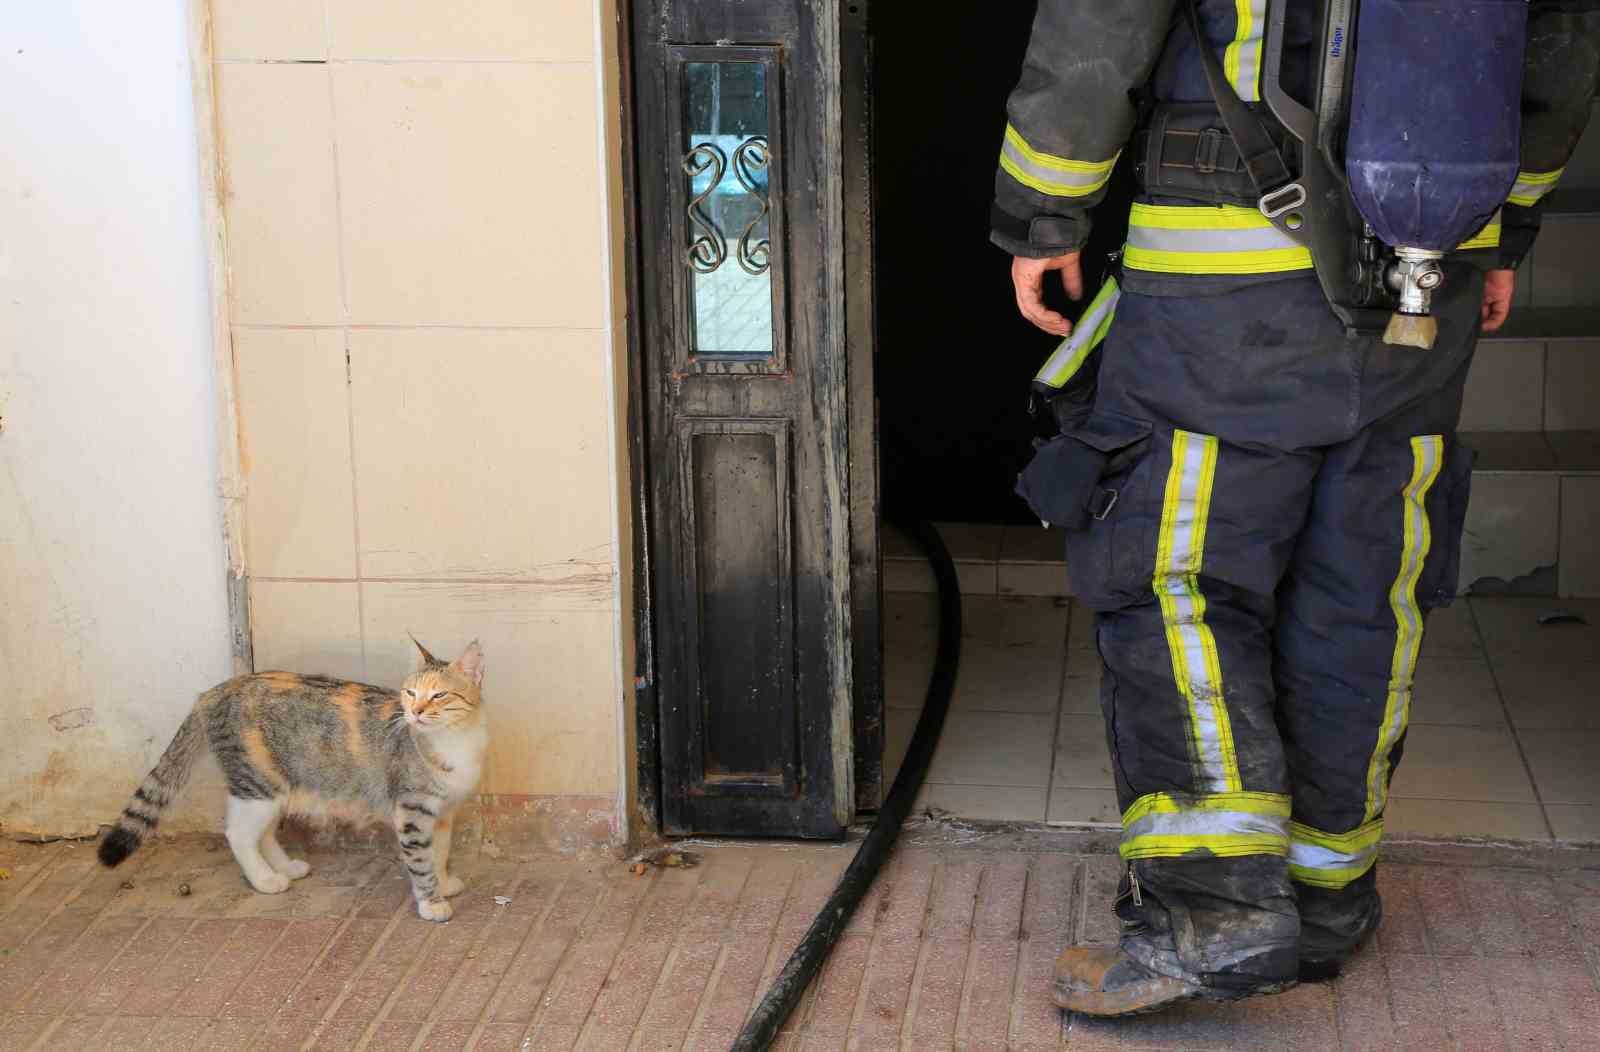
[155,794]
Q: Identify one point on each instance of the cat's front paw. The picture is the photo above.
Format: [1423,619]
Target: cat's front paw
[450,887]
[434,910]
[270,883]
[297,868]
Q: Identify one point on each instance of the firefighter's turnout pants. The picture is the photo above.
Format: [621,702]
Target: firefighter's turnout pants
[1286,508]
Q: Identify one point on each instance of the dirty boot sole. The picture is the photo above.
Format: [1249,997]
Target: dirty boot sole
[1149,995]
[1152,995]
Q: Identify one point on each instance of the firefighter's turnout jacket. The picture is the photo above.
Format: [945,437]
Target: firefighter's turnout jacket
[1275,503]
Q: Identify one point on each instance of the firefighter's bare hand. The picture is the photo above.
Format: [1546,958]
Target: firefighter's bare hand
[1027,277]
[1498,285]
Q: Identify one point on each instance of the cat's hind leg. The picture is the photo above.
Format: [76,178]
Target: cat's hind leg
[278,859]
[247,824]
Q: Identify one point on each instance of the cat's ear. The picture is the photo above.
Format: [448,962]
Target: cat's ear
[470,663]
[424,659]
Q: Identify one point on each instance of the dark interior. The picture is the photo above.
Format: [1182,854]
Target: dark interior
[954,357]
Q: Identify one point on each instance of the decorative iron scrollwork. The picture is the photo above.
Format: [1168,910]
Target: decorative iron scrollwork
[752,156]
[708,250]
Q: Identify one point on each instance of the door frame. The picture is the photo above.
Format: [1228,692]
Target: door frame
[865,639]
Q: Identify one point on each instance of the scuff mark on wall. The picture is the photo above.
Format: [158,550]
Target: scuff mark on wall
[73,719]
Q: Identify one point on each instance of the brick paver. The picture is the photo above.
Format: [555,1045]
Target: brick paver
[952,949]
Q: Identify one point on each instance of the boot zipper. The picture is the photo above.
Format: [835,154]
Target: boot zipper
[1133,880]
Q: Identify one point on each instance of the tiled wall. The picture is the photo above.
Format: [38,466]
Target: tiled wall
[416,198]
[1533,412]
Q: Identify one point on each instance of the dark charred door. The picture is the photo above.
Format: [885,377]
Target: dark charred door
[741,230]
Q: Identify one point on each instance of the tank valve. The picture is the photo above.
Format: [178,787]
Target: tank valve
[1413,276]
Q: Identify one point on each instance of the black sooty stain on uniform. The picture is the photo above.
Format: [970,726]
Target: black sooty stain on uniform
[1260,334]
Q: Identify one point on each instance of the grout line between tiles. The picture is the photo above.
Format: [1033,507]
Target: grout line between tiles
[1061,700]
[1516,738]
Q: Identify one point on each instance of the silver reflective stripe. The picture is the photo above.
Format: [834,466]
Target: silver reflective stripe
[1427,455]
[1047,178]
[1207,823]
[1207,240]
[1247,47]
[1196,666]
[1315,856]
[1532,186]
[1086,334]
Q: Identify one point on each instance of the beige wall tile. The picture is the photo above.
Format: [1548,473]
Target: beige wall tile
[470,194]
[1580,536]
[307,626]
[283,29]
[1562,262]
[483,455]
[276,145]
[1574,390]
[1511,527]
[550,685]
[294,441]
[528,30]
[1505,390]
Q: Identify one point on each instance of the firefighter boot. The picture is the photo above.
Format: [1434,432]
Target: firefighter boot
[1106,981]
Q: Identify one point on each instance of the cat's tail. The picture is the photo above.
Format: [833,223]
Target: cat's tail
[155,794]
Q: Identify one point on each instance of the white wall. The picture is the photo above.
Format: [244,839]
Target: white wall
[112,570]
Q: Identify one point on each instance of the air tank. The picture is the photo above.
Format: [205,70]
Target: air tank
[1435,134]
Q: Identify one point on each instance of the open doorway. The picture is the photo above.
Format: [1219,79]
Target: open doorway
[1024,740]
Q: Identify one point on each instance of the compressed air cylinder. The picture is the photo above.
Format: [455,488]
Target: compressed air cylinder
[1435,117]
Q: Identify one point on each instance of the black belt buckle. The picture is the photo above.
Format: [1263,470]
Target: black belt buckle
[1207,150]
[1101,503]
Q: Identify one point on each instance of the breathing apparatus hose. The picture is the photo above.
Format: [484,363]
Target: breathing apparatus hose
[762,1027]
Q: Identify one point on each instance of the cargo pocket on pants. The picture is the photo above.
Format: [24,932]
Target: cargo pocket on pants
[1447,518]
[1088,482]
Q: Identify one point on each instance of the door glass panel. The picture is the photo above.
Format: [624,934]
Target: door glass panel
[728,166]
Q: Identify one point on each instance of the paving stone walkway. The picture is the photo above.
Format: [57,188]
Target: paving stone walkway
[952,950]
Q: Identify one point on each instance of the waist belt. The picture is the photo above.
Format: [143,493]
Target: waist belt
[1186,152]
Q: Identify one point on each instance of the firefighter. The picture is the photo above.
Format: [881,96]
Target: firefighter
[1262,505]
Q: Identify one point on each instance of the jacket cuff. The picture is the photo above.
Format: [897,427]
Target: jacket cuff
[1039,237]
[1519,227]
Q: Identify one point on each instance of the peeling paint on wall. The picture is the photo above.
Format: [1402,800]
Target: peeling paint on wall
[113,615]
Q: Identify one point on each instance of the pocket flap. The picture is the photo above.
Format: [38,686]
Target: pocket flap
[1111,432]
[1064,476]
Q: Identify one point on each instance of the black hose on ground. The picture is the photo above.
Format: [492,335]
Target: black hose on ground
[763,1025]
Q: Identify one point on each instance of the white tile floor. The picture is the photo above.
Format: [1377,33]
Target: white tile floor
[1504,744]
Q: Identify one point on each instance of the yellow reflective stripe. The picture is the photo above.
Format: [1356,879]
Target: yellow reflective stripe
[1531,186]
[1196,668]
[1427,454]
[1488,237]
[1329,878]
[1049,174]
[1266,262]
[1224,825]
[1358,839]
[1242,59]
[1200,239]
[1198,217]
[1090,331]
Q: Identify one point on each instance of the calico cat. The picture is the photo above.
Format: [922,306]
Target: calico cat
[320,747]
